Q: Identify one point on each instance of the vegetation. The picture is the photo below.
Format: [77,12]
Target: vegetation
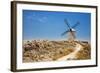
[84,53]
[44,50]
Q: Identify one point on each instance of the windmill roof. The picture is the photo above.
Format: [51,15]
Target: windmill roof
[73,30]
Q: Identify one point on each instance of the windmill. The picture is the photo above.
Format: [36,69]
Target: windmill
[70,31]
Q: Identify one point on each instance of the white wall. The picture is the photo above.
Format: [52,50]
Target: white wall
[5,37]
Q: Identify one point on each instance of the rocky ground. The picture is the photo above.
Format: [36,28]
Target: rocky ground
[44,50]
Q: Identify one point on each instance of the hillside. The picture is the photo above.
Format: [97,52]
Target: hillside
[44,50]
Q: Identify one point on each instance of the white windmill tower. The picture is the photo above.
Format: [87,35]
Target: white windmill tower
[70,31]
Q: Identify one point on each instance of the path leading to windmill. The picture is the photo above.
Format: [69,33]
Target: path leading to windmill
[73,54]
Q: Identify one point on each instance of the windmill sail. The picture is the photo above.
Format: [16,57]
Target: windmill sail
[67,23]
[76,25]
[64,33]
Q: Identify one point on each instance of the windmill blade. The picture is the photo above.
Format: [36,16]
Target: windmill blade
[76,24]
[64,33]
[67,23]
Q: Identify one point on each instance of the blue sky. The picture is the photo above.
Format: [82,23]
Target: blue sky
[50,25]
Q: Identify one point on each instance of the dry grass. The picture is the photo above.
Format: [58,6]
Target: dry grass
[36,51]
[84,53]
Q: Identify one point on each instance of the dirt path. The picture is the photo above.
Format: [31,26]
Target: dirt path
[73,54]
